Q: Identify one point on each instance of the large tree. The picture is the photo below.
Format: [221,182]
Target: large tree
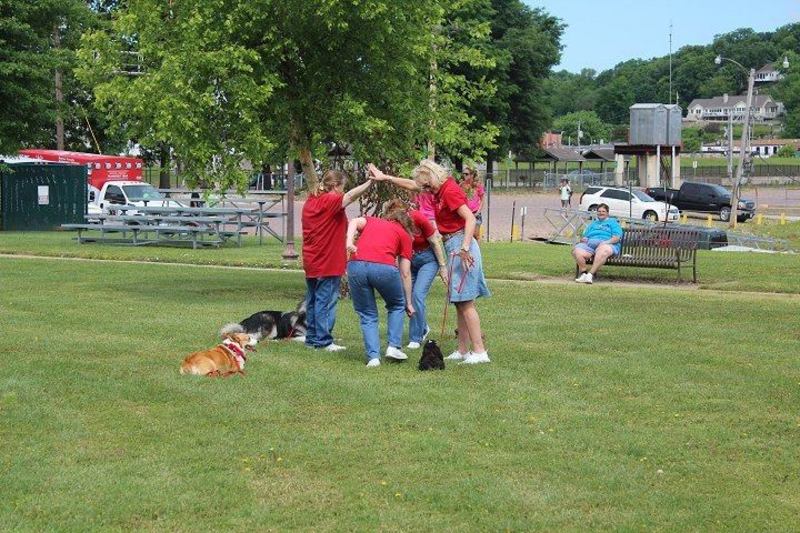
[587,122]
[37,40]
[263,79]
[524,44]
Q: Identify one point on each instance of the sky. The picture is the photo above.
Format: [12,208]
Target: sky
[602,33]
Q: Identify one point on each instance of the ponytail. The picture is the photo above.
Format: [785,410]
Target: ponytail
[330,179]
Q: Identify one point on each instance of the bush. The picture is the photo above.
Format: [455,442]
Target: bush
[787,150]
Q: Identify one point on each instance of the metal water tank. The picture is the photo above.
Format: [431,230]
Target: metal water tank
[653,124]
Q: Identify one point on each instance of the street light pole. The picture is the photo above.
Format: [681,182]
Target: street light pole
[744,146]
[744,150]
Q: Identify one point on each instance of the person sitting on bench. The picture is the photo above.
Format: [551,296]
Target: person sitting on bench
[601,239]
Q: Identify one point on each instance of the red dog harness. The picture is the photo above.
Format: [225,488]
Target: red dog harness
[238,353]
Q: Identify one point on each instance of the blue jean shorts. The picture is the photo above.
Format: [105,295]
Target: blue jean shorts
[592,245]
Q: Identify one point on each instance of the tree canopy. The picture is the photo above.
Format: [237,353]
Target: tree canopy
[36,39]
[266,79]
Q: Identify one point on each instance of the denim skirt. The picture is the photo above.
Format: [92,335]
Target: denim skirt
[465,285]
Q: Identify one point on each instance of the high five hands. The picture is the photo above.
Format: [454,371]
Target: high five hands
[375,174]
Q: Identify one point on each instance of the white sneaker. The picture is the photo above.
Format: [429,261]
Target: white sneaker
[334,348]
[413,345]
[374,362]
[395,353]
[580,278]
[474,358]
[457,356]
[589,278]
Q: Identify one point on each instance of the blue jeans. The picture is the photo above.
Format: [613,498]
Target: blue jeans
[424,268]
[365,278]
[321,299]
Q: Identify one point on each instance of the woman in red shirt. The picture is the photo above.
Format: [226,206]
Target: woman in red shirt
[381,261]
[456,223]
[324,259]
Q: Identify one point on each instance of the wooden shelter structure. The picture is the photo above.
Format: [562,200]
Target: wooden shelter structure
[555,155]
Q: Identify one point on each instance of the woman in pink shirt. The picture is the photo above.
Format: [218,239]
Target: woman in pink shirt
[475,192]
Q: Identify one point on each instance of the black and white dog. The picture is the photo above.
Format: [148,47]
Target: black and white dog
[272,325]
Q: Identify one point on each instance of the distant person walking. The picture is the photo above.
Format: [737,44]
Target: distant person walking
[324,256]
[565,193]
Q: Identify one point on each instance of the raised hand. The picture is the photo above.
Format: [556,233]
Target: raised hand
[375,174]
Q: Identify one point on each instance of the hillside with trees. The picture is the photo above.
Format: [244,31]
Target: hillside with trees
[694,75]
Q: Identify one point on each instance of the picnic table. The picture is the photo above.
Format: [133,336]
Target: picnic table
[165,225]
[240,216]
[266,201]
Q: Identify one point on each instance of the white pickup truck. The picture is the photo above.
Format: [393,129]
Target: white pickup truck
[135,193]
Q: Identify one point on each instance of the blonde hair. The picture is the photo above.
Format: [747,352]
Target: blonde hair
[430,169]
[397,210]
[330,179]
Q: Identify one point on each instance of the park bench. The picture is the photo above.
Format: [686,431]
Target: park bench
[658,247]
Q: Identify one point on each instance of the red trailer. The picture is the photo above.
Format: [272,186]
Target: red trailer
[101,168]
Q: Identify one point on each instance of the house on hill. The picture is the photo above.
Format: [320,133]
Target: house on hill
[720,108]
[768,74]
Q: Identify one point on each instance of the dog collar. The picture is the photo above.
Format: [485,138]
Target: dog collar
[238,353]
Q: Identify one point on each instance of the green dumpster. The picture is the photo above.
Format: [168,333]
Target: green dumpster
[41,197]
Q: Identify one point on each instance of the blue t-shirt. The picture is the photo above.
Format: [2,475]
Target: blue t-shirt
[603,229]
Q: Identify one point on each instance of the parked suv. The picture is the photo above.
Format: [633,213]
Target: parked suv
[628,204]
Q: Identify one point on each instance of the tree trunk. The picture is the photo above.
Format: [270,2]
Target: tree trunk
[163,171]
[59,94]
[301,141]
[432,89]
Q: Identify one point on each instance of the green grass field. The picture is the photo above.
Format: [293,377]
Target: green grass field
[609,406]
[522,261]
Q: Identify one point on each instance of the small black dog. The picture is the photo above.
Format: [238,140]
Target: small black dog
[431,357]
[272,325]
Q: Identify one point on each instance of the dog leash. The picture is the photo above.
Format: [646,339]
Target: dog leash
[450,287]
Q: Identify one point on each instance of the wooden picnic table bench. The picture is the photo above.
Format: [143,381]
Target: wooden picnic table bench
[142,234]
[266,200]
[658,247]
[240,216]
[146,220]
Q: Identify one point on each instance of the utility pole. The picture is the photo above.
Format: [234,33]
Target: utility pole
[744,150]
[730,147]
